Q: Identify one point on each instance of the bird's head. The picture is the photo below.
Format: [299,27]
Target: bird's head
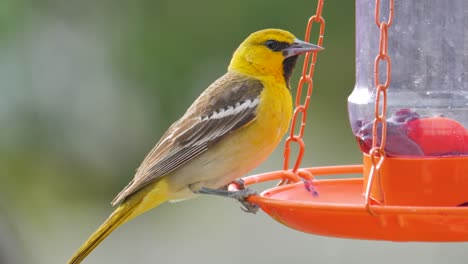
[269,52]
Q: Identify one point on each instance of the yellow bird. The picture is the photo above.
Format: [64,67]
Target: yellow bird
[232,127]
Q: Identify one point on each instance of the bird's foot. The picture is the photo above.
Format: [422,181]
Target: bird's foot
[240,195]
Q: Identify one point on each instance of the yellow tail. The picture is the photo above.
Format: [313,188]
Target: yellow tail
[145,199]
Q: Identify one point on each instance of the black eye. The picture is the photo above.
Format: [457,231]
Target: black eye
[273,45]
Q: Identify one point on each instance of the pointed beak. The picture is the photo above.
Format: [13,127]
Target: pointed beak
[300,47]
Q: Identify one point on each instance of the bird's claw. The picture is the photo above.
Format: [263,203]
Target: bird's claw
[249,207]
[240,183]
[242,196]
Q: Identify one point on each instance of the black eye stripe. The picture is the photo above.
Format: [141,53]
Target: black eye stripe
[276,45]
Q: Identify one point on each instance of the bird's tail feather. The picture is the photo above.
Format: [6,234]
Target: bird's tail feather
[118,217]
[147,198]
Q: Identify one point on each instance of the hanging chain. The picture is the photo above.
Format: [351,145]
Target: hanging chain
[305,80]
[377,152]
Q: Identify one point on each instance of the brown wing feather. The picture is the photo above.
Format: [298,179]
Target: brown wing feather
[227,105]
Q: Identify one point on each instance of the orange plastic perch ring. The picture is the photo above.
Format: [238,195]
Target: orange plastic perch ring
[340,211]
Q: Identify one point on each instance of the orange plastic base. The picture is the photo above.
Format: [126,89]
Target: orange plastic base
[426,181]
[339,210]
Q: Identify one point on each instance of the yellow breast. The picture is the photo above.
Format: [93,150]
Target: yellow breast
[274,112]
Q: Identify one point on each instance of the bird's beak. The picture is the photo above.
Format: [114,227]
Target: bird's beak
[299,47]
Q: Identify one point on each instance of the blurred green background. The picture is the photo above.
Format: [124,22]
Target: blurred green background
[88,87]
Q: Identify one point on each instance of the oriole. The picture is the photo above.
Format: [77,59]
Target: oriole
[231,128]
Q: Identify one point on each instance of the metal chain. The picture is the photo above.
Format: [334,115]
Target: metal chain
[377,152]
[306,79]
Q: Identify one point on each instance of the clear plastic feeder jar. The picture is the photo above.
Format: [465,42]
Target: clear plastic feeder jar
[427,100]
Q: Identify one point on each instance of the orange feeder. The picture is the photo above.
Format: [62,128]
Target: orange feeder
[414,184]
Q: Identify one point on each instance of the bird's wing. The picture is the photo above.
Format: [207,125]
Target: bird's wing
[227,105]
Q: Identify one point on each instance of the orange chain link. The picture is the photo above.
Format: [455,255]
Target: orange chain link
[377,152]
[306,79]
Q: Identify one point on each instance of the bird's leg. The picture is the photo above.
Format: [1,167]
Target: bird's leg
[240,196]
[239,182]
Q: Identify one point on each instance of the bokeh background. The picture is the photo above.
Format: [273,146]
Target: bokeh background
[88,87]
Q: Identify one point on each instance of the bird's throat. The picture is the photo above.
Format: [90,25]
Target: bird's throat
[288,67]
